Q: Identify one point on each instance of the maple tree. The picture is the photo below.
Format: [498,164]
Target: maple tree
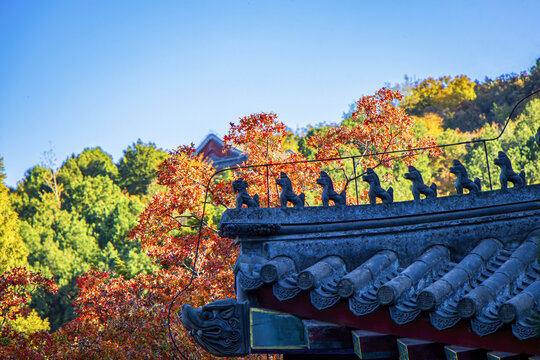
[264,139]
[119,317]
[16,287]
[165,227]
[373,136]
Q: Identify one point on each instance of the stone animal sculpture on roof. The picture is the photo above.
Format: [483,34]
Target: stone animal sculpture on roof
[287,194]
[418,187]
[240,187]
[463,180]
[328,191]
[507,173]
[375,189]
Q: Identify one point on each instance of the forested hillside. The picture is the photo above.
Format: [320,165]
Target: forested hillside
[76,218]
[71,223]
[468,105]
[456,109]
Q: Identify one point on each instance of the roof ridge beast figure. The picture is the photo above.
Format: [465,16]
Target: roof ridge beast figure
[418,187]
[240,187]
[287,194]
[328,191]
[462,180]
[507,173]
[375,189]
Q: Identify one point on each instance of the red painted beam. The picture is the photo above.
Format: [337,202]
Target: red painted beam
[380,321]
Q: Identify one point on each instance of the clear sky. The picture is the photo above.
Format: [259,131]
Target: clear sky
[78,74]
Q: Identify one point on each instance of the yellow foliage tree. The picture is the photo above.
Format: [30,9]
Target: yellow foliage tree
[438,95]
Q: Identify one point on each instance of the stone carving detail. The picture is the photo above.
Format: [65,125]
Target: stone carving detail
[520,305]
[418,186]
[326,295]
[496,287]
[467,270]
[484,328]
[526,329]
[403,316]
[247,271]
[322,299]
[329,193]
[276,269]
[286,288]
[375,189]
[219,327]
[234,230]
[463,180]
[507,173]
[240,187]
[361,307]
[418,274]
[287,194]
[248,283]
[441,322]
[283,293]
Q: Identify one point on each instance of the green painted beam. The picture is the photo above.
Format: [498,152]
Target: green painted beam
[275,330]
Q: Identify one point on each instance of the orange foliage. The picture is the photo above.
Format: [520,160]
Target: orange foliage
[380,128]
[16,286]
[263,138]
[122,318]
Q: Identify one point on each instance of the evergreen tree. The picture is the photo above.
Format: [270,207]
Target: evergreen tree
[137,168]
[13,251]
[68,231]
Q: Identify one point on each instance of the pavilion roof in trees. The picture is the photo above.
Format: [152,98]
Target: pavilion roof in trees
[212,149]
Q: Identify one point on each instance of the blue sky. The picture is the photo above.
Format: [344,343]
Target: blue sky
[78,74]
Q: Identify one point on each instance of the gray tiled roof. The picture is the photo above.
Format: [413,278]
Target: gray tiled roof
[491,285]
[471,258]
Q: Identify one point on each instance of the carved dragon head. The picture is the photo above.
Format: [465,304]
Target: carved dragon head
[218,327]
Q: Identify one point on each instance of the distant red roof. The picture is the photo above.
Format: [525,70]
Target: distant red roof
[212,149]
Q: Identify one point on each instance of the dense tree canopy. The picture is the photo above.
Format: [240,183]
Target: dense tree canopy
[14,251]
[120,240]
[468,105]
[76,218]
[138,166]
